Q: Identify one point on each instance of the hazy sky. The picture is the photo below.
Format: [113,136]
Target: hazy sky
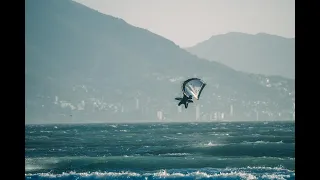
[187,22]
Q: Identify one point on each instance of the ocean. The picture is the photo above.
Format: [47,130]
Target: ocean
[210,150]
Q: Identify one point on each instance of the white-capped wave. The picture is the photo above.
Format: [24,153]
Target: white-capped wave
[45,131]
[219,134]
[29,149]
[279,168]
[212,144]
[262,142]
[278,158]
[87,174]
[200,174]
[175,154]
[207,144]
[167,137]
[283,130]
[159,174]
[275,176]
[263,157]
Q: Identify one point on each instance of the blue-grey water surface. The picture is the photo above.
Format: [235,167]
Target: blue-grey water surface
[217,150]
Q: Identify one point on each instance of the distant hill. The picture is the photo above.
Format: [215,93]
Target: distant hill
[84,66]
[261,53]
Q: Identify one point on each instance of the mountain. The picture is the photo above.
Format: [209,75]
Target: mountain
[261,53]
[85,66]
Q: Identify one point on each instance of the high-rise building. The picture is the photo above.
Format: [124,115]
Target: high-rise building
[211,116]
[160,115]
[294,116]
[215,116]
[137,103]
[231,110]
[198,112]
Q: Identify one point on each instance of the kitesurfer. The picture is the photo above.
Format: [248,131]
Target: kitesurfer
[185,100]
[191,88]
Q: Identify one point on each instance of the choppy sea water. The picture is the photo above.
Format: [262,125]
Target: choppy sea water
[217,150]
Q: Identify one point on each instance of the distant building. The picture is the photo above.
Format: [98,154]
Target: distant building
[198,112]
[294,110]
[294,117]
[215,116]
[137,103]
[160,115]
[211,117]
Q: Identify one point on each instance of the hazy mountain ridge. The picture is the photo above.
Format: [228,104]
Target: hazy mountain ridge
[260,53]
[82,65]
